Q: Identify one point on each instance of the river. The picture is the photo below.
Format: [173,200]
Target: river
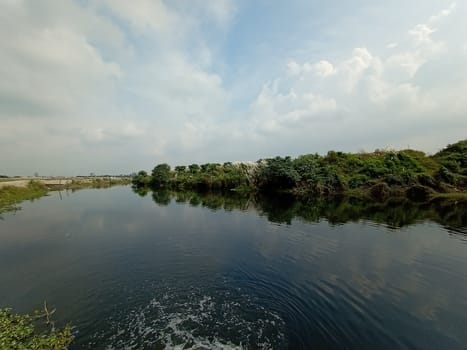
[190,271]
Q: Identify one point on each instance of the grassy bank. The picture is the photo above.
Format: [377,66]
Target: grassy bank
[77,183]
[10,196]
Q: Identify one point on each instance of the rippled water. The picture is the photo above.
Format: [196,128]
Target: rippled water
[209,272]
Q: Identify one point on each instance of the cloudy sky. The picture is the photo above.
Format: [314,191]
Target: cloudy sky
[113,86]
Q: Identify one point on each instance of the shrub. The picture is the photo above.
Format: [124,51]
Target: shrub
[380,191]
[19,332]
[426,180]
[358,180]
[419,193]
[445,175]
[279,174]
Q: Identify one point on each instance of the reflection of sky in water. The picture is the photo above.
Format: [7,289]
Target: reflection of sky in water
[358,284]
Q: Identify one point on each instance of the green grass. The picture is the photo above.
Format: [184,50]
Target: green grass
[10,196]
[77,184]
[452,196]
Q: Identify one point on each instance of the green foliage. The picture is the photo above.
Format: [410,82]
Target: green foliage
[180,169]
[453,163]
[208,176]
[445,175]
[279,173]
[193,168]
[456,151]
[308,167]
[376,175]
[11,195]
[141,179]
[20,332]
[380,191]
[161,174]
[358,180]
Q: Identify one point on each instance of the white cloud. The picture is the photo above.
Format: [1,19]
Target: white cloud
[47,69]
[111,134]
[145,15]
[322,68]
[273,111]
[65,67]
[367,96]
[83,81]
[220,11]
[407,62]
[421,34]
[443,13]
[294,68]
[353,69]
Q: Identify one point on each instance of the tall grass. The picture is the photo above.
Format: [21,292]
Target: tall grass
[10,196]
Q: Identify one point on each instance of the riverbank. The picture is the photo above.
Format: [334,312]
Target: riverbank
[11,195]
[376,176]
[16,190]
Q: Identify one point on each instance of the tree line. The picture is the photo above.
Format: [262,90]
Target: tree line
[379,174]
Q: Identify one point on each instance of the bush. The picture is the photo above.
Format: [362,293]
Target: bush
[19,332]
[445,175]
[392,172]
[279,174]
[380,191]
[419,193]
[358,181]
[426,180]
[142,179]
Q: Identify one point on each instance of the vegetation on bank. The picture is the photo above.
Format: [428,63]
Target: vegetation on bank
[379,175]
[32,332]
[99,182]
[11,195]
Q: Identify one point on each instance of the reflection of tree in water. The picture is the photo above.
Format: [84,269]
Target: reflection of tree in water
[279,208]
[283,208]
[339,210]
[195,201]
[141,191]
[211,200]
[162,197]
[452,214]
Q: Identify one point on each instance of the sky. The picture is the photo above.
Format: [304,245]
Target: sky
[115,86]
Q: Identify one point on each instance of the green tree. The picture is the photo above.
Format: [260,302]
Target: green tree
[141,179]
[161,175]
[279,173]
[180,169]
[193,168]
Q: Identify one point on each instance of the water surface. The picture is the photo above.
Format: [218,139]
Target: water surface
[210,272]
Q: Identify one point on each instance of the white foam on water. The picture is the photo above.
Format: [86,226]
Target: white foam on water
[194,320]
